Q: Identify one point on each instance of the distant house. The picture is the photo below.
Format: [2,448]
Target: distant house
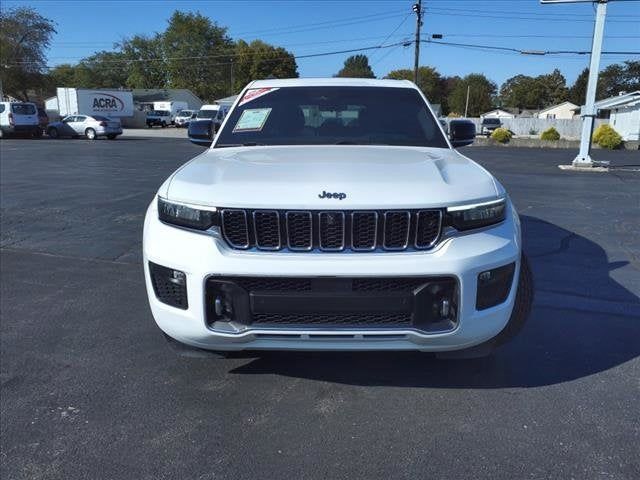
[563,111]
[624,114]
[498,113]
[144,97]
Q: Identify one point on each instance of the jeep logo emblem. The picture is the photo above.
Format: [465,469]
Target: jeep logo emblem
[339,196]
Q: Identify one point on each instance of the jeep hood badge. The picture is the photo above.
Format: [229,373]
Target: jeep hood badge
[338,195]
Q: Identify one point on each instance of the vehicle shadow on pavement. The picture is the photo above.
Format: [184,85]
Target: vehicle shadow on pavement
[583,322]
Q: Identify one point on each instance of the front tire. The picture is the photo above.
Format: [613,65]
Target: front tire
[53,133]
[111,136]
[163,124]
[90,133]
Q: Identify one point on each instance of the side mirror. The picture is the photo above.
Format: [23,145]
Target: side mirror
[462,132]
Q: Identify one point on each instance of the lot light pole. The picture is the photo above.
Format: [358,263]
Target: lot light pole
[417,8]
[589,110]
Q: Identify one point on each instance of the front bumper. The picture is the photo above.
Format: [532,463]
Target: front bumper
[202,257]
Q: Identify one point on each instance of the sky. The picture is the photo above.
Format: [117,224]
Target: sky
[308,27]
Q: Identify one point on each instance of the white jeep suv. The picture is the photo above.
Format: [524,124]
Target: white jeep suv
[335,214]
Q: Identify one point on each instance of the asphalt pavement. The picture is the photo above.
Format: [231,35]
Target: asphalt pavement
[89,389]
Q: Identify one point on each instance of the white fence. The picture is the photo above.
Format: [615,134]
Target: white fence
[569,129]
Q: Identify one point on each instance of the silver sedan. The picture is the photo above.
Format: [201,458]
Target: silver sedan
[91,127]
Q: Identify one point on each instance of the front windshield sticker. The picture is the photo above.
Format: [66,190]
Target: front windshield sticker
[252,120]
[254,93]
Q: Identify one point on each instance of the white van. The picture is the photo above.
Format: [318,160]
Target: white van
[19,118]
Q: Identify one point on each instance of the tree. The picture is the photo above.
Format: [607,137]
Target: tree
[146,66]
[481,92]
[198,55]
[25,35]
[539,92]
[429,81]
[578,91]
[356,66]
[258,60]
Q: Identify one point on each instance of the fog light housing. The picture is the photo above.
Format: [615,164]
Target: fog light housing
[494,286]
[169,285]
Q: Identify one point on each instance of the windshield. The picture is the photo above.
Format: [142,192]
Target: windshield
[23,108]
[207,113]
[491,120]
[332,115]
[185,113]
[158,113]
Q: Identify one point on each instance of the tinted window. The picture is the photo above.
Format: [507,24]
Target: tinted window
[334,115]
[23,109]
[1,108]
[100,118]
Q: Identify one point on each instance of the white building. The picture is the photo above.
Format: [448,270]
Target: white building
[563,111]
[498,113]
[624,114]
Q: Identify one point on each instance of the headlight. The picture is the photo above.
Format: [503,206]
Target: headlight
[184,216]
[467,217]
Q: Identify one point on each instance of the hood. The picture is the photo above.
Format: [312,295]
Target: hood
[291,177]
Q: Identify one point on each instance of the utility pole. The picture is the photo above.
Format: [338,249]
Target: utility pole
[466,105]
[589,110]
[417,8]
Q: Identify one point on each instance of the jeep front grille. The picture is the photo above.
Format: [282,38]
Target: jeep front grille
[331,231]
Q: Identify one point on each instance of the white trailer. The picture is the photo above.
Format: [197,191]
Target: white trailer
[110,103]
[173,107]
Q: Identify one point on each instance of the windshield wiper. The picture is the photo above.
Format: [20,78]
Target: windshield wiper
[247,144]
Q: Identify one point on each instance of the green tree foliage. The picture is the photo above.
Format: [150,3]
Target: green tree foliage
[429,81]
[356,66]
[481,93]
[616,78]
[146,66]
[25,35]
[258,60]
[578,90]
[525,92]
[198,55]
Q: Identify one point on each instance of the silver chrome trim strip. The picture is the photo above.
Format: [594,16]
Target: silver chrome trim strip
[286,219]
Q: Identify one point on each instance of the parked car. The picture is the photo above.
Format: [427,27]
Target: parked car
[43,119]
[183,118]
[19,118]
[489,124]
[160,118]
[87,126]
[206,124]
[334,214]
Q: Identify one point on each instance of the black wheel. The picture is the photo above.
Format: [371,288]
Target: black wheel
[112,136]
[53,133]
[37,133]
[163,124]
[90,133]
[148,125]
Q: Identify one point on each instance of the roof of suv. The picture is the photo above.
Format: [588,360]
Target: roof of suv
[331,82]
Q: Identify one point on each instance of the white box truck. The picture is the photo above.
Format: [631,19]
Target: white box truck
[172,107]
[109,103]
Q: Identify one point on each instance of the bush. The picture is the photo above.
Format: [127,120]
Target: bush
[501,135]
[550,134]
[607,137]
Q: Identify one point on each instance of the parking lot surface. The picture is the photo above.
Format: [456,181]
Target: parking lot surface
[89,389]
